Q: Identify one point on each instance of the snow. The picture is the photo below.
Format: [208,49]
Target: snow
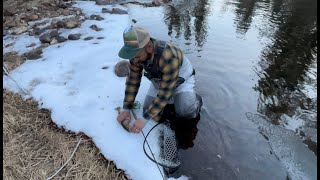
[70,82]
[20,43]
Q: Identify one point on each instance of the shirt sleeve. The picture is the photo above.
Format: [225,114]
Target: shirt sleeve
[169,65]
[132,85]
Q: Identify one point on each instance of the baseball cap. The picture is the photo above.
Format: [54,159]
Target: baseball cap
[135,38]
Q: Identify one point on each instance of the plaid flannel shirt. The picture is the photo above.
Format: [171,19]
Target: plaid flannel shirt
[169,63]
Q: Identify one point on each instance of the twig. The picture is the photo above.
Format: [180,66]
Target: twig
[7,73]
[67,160]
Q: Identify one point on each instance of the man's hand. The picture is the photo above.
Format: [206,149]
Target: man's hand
[137,126]
[123,115]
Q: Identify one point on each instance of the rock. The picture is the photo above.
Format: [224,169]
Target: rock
[62,5]
[61,39]
[105,67]
[54,33]
[46,38]
[32,17]
[38,31]
[96,17]
[54,41]
[105,10]
[78,12]
[10,24]
[122,68]
[100,38]
[88,38]
[31,45]
[23,22]
[53,14]
[74,36]
[134,21]
[72,23]
[9,11]
[99,18]
[104,2]
[66,12]
[40,23]
[23,16]
[157,2]
[20,30]
[61,24]
[33,54]
[44,45]
[95,27]
[69,4]
[118,11]
[10,44]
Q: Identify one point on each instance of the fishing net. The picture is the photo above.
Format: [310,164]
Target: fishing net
[168,155]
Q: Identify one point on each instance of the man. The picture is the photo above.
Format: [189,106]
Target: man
[170,72]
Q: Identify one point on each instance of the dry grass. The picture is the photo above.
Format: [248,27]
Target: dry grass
[33,148]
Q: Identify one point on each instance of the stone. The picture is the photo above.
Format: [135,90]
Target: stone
[88,38]
[78,12]
[40,23]
[105,67]
[54,33]
[100,38]
[105,10]
[61,24]
[104,2]
[38,31]
[65,12]
[31,45]
[46,38]
[122,68]
[44,45]
[118,11]
[74,36]
[62,5]
[33,54]
[9,11]
[99,18]
[20,30]
[95,27]
[61,39]
[32,17]
[72,23]
[54,41]
[10,44]
[96,17]
[10,24]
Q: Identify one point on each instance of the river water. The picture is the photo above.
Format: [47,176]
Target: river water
[255,64]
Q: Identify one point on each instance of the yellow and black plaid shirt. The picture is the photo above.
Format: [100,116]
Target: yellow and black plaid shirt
[169,63]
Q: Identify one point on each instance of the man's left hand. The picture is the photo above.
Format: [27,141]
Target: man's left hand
[137,126]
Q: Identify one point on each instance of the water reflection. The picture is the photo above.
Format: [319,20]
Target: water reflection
[244,13]
[189,18]
[286,61]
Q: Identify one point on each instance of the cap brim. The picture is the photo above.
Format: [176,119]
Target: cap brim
[127,52]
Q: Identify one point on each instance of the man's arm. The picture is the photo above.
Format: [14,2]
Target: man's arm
[169,64]
[132,85]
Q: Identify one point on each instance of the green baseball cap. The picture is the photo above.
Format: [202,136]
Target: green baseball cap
[135,38]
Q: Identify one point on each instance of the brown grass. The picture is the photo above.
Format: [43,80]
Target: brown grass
[33,148]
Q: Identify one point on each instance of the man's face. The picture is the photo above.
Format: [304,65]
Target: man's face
[140,58]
